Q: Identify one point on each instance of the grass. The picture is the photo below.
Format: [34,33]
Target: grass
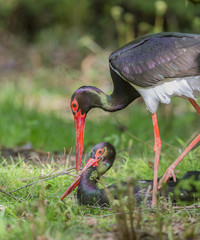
[31,110]
[42,215]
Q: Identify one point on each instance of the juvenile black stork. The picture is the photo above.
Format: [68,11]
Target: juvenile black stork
[155,67]
[101,160]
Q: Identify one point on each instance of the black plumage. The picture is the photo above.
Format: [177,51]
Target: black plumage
[155,67]
[155,57]
[88,193]
[186,189]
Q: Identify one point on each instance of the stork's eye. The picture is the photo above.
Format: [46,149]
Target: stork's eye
[99,152]
[74,105]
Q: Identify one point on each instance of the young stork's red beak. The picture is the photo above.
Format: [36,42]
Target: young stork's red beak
[90,162]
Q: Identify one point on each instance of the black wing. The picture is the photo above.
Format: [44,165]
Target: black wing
[150,59]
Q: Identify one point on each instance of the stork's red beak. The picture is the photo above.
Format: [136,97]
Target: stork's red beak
[79,120]
[90,162]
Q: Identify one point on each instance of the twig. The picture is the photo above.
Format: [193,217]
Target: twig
[192,207]
[191,138]
[54,173]
[8,194]
[138,139]
[32,188]
[44,178]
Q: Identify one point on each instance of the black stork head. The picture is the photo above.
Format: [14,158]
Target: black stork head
[88,97]
[101,160]
[82,101]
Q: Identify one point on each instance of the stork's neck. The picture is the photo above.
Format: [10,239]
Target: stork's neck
[88,192]
[89,179]
[123,94]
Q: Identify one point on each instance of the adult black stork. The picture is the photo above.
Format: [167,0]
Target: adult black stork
[155,67]
[101,160]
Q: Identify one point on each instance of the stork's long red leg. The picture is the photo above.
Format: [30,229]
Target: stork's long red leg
[170,171]
[194,104]
[157,148]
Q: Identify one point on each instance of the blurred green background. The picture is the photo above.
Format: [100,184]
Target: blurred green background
[50,48]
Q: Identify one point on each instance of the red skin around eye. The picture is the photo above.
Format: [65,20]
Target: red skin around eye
[76,107]
[99,153]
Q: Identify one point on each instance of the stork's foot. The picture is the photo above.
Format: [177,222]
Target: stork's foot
[169,173]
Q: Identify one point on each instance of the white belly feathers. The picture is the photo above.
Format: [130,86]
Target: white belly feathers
[179,87]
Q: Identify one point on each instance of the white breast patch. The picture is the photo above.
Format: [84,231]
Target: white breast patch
[180,87]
